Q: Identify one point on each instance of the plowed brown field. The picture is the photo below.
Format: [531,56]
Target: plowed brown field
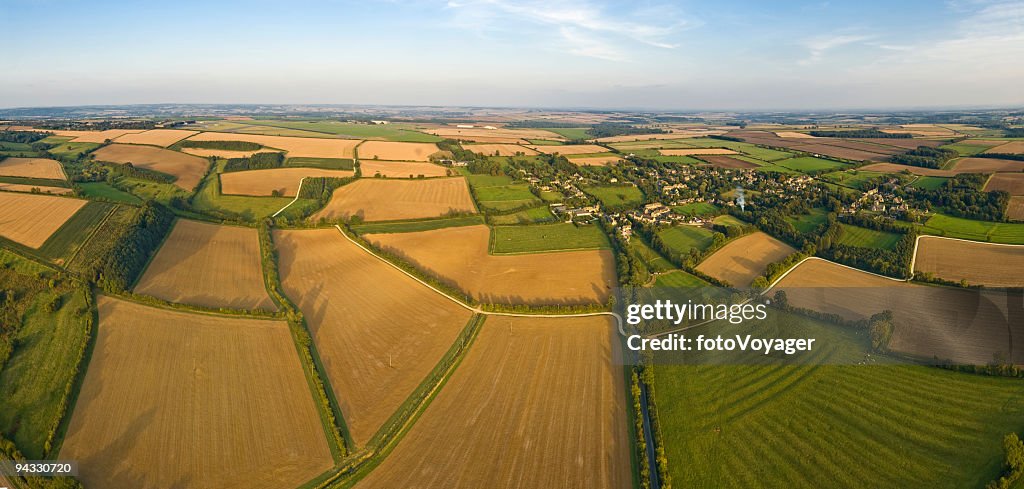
[363,314]
[459,256]
[208,265]
[1016,147]
[987,165]
[543,396]
[173,399]
[979,263]
[1012,183]
[931,322]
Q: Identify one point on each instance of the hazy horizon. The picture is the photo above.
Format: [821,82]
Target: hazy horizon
[582,54]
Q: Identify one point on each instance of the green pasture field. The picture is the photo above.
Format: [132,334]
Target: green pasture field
[546,142]
[326,163]
[513,192]
[417,225]
[682,239]
[148,189]
[868,238]
[551,196]
[809,163]
[653,260]
[103,190]
[806,223]
[73,150]
[836,419]
[679,279]
[929,183]
[696,209]
[546,237]
[727,220]
[776,169]
[616,195]
[476,181]
[44,360]
[965,148]
[852,178]
[539,214]
[390,132]
[957,227]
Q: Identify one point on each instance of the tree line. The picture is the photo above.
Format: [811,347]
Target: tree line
[26,137]
[860,133]
[258,161]
[225,145]
[925,157]
[132,250]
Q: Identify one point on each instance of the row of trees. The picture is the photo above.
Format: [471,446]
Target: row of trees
[860,133]
[224,145]
[258,161]
[925,157]
[24,137]
[609,129]
[132,250]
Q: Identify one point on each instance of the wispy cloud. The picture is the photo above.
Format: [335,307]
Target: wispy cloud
[585,28]
[817,47]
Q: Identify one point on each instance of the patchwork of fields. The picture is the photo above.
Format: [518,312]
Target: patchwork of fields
[188,169]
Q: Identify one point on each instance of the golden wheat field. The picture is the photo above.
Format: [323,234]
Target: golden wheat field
[94,136]
[931,322]
[264,182]
[395,151]
[296,147]
[45,189]
[571,149]
[173,399]
[224,153]
[30,219]
[32,168]
[155,137]
[537,402]
[208,265]
[376,199]
[988,264]
[401,169]
[378,331]
[793,134]
[188,169]
[459,256]
[499,149]
[596,160]
[744,259]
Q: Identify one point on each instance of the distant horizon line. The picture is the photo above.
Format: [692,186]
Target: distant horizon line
[831,110]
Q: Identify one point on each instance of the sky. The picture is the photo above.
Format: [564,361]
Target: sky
[684,55]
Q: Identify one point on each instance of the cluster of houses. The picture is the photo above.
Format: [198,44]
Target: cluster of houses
[882,202]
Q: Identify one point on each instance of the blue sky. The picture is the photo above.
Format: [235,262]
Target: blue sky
[553,53]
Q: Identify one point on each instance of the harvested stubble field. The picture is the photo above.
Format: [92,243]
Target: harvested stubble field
[31,219]
[571,149]
[401,169]
[208,265]
[377,199]
[156,137]
[224,153]
[793,134]
[597,160]
[499,149]
[364,314]
[296,147]
[187,168]
[696,151]
[22,187]
[265,182]
[500,135]
[905,143]
[396,151]
[32,168]
[1015,147]
[671,135]
[212,401]
[987,165]
[988,264]
[459,257]
[1012,183]
[744,259]
[720,161]
[931,322]
[95,136]
[542,395]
